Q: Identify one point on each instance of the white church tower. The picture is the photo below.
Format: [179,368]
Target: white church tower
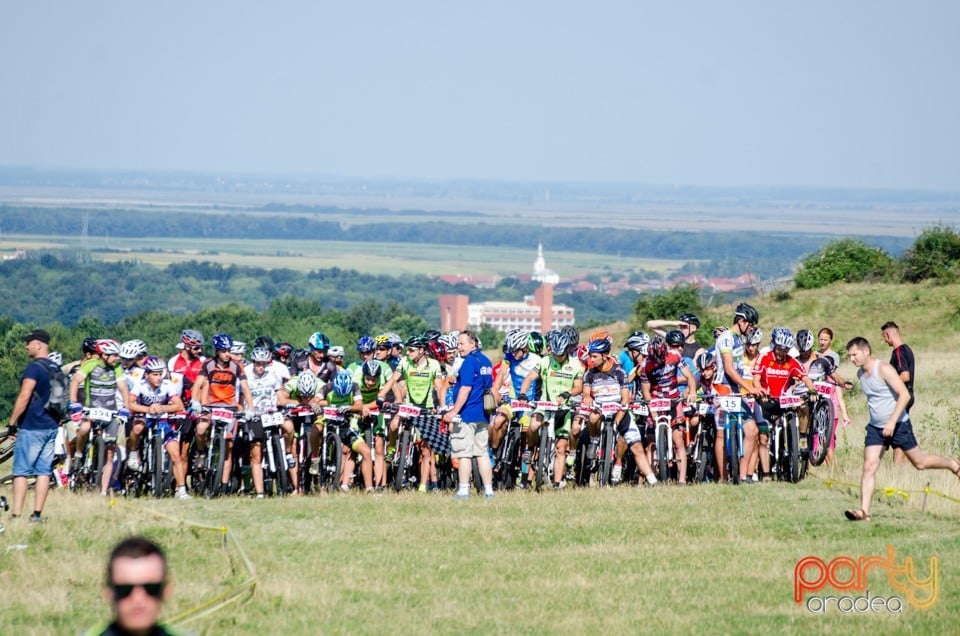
[540,272]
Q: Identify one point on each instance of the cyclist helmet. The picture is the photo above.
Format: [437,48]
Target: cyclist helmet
[366,344]
[342,384]
[89,345]
[307,384]
[382,341]
[657,349]
[747,312]
[706,360]
[222,342]
[599,335]
[239,348]
[782,337]
[598,346]
[414,342]
[394,339]
[638,341]
[191,338]
[336,351]
[516,340]
[804,340]
[108,347]
[55,357]
[583,355]
[437,349]
[283,350]
[690,319]
[558,343]
[264,341]
[133,349]
[318,342]
[719,330]
[451,341]
[572,334]
[371,368]
[431,334]
[261,354]
[152,364]
[755,336]
[675,338]
[535,342]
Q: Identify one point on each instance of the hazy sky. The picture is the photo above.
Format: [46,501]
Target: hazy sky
[821,93]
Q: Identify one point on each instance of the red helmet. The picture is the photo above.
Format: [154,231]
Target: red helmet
[437,349]
[108,347]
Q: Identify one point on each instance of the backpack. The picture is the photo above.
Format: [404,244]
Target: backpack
[58,404]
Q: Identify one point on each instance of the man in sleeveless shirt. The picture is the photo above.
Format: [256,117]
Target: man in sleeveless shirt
[889,425]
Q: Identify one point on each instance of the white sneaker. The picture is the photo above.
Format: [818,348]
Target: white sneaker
[617,475]
[652,479]
[183,495]
[133,462]
[314,465]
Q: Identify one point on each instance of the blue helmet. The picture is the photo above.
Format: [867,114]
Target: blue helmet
[342,384]
[318,342]
[222,342]
[366,344]
[599,346]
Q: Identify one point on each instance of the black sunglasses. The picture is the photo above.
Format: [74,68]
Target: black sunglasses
[123,590]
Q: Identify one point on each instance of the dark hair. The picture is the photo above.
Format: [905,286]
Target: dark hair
[889,325]
[135,548]
[826,330]
[472,336]
[860,343]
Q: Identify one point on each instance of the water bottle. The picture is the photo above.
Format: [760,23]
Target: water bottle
[290,462]
[3,503]
[247,478]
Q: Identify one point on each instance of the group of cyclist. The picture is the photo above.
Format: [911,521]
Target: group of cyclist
[580,378]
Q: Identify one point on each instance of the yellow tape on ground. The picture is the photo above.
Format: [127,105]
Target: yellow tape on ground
[245,587]
[889,491]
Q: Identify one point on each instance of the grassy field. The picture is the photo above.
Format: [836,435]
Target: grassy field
[705,559]
[374,258]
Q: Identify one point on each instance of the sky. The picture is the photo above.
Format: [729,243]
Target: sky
[859,93]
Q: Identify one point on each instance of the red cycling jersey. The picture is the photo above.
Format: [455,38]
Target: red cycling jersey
[777,376]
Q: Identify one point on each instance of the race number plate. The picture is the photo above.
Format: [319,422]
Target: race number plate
[660,405]
[730,403]
[639,408]
[543,405]
[408,410]
[611,408]
[790,401]
[331,413]
[703,408]
[271,420]
[584,411]
[824,388]
[100,415]
[519,407]
[374,410]
[224,415]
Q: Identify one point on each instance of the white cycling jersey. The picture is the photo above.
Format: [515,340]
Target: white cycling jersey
[263,388]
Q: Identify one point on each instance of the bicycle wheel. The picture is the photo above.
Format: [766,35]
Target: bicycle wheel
[734,446]
[701,460]
[793,448]
[475,475]
[821,430]
[280,457]
[215,456]
[157,451]
[607,446]
[6,447]
[332,460]
[663,465]
[100,455]
[582,460]
[543,457]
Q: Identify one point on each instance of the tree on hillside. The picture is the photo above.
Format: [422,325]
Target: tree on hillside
[935,254]
[842,260]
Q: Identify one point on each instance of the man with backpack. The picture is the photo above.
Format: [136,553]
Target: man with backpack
[34,423]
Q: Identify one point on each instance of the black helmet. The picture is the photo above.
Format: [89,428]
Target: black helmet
[675,338]
[690,319]
[747,312]
[89,345]
[263,341]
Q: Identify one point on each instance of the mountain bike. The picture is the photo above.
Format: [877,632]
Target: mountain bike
[509,462]
[331,448]
[222,419]
[822,422]
[276,462]
[302,418]
[155,475]
[607,444]
[732,408]
[701,448]
[662,437]
[87,475]
[785,439]
[547,450]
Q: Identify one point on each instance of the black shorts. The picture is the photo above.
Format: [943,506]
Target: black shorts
[902,438]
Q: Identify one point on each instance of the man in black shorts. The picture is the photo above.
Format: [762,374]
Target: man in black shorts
[903,362]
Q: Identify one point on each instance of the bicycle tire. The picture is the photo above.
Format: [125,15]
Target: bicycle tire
[157,451]
[702,461]
[608,445]
[100,451]
[332,460]
[215,455]
[663,464]
[793,449]
[282,481]
[821,430]
[582,460]
[400,461]
[734,458]
[543,456]
[475,475]
[6,447]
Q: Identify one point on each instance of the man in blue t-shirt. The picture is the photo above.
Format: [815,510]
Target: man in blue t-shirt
[35,430]
[468,437]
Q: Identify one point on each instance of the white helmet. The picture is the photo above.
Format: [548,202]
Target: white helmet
[133,349]
[516,339]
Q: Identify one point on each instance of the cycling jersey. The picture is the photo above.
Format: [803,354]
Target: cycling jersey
[775,376]
[556,377]
[518,370]
[100,384]
[419,380]
[189,369]
[263,388]
[223,381]
[662,378]
[145,395]
[605,387]
[728,342]
[133,375]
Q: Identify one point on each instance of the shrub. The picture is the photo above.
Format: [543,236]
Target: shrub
[843,260]
[935,254]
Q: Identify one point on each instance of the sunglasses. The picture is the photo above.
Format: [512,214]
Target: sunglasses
[123,590]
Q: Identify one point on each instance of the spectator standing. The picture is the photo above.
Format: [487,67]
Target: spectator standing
[902,360]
